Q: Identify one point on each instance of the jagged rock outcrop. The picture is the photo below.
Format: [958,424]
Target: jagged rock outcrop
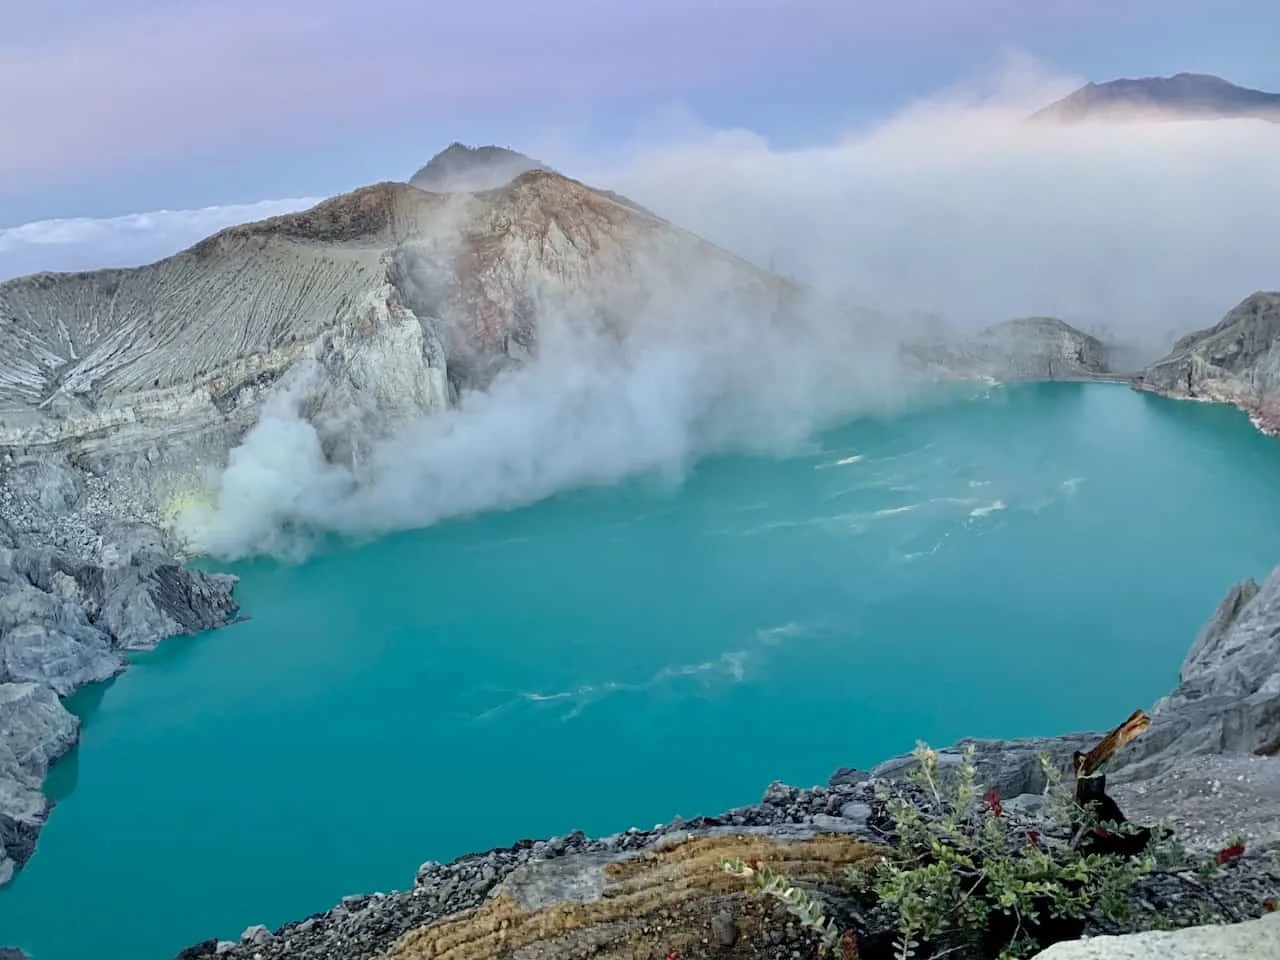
[1237,361]
[35,730]
[1030,348]
[1227,703]
[65,622]
[1183,96]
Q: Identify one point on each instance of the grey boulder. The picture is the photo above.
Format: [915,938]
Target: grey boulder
[1252,940]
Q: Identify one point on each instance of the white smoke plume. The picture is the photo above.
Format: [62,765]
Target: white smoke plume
[954,210]
[690,378]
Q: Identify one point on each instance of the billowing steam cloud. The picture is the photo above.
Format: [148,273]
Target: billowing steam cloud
[955,210]
[691,376]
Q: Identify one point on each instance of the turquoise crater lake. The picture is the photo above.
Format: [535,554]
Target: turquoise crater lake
[616,657]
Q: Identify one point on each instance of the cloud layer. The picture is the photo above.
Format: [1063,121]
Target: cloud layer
[146,83]
[84,243]
[956,208]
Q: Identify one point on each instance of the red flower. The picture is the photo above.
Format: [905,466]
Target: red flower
[1101,832]
[671,956]
[1033,838]
[1228,854]
[849,946]
[1271,905]
[993,803]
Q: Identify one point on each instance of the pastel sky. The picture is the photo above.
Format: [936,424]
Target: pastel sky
[116,106]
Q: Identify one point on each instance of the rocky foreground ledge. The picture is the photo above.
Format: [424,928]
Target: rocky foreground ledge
[1206,767]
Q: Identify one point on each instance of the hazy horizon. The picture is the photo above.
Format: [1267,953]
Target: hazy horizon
[950,206]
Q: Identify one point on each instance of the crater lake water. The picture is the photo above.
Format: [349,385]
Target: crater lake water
[1031,561]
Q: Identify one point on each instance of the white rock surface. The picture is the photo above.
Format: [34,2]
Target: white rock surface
[1254,940]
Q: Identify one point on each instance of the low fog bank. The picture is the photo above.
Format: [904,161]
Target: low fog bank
[957,208]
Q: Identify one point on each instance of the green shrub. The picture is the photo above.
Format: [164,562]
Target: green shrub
[963,880]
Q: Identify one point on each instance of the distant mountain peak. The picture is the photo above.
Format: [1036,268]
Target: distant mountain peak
[1182,96]
[460,168]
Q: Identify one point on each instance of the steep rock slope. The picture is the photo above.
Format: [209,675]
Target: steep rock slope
[1226,703]
[37,730]
[1236,361]
[1030,348]
[143,379]
[1184,96]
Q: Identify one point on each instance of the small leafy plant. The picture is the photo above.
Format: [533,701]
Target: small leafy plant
[798,902]
[964,879]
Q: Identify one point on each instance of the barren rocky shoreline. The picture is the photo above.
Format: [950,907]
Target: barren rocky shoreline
[67,622]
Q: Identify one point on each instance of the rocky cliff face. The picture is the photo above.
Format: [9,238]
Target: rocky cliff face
[1032,348]
[1236,361]
[66,622]
[1227,703]
[123,389]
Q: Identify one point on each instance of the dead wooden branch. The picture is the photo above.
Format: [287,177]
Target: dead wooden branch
[1086,764]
